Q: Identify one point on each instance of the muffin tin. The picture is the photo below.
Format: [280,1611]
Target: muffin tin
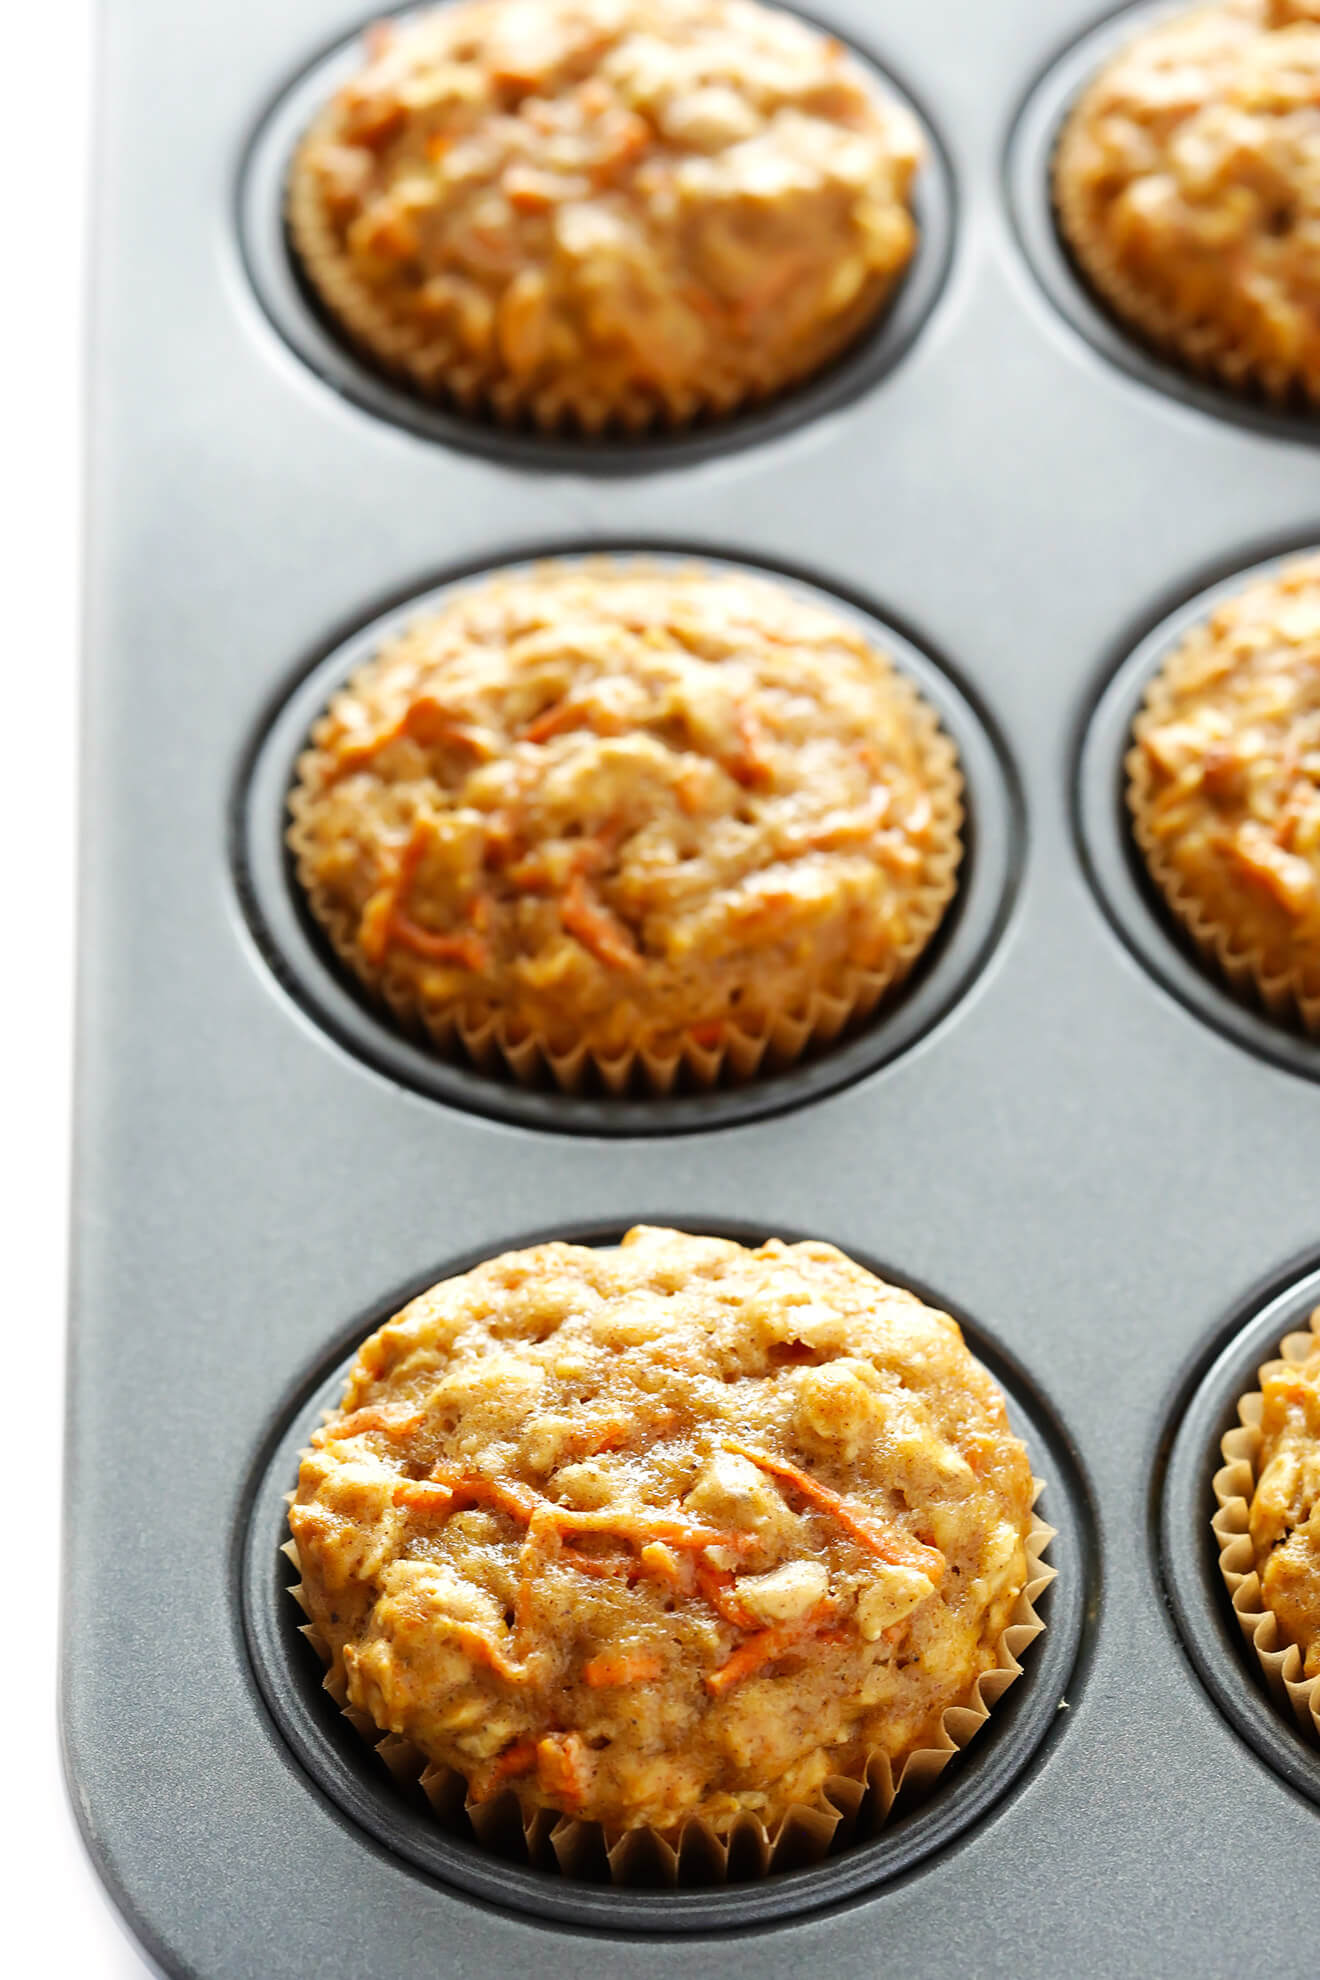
[1063,1128]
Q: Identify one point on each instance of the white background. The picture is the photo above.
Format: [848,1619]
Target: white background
[55,1918]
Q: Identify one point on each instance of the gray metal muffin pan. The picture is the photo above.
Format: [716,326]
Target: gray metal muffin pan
[1079,1142]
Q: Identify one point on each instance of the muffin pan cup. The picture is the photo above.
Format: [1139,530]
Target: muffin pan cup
[337,1753]
[1109,1188]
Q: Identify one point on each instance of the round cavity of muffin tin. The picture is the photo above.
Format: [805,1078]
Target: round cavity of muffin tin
[1114,861]
[303,961]
[1028,177]
[289,1676]
[297,314]
[1203,1410]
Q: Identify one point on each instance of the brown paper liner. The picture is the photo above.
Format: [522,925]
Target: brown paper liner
[436,366]
[1286,992]
[1234,1485]
[1212,349]
[774,1041]
[848,1807]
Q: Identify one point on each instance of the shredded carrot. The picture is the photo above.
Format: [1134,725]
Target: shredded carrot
[768,1645]
[483,1651]
[878,1536]
[534,874]
[717,1585]
[664,1565]
[429,722]
[357,755]
[751,1655]
[469,1488]
[426,721]
[638,1528]
[391,922]
[530,874]
[751,766]
[558,1768]
[467,949]
[528,192]
[609,1568]
[624,1667]
[448,1490]
[611,1435]
[597,929]
[423,1497]
[519,1758]
[556,720]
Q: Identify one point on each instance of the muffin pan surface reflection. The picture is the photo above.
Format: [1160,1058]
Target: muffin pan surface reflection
[1061,1117]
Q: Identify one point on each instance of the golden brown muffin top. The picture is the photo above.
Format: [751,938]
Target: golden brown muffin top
[679,1529]
[1285,1508]
[606,207]
[1227,772]
[1188,181]
[616,803]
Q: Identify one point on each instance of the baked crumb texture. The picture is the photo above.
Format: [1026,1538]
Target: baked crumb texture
[1187,184]
[629,818]
[605,213]
[1268,1523]
[1224,788]
[669,1552]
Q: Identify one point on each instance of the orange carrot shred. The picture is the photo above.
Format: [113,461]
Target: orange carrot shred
[467,949]
[768,1645]
[483,1651]
[601,1569]
[597,929]
[638,1527]
[556,720]
[519,1758]
[426,721]
[717,1585]
[624,1667]
[877,1535]
[469,1488]
[664,1565]
[424,1497]
[750,1656]
[392,922]
[558,1768]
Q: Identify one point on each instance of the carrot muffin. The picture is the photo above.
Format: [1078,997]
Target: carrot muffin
[604,212]
[1268,1522]
[681,1531]
[1187,182]
[1285,1507]
[615,813]
[1225,787]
